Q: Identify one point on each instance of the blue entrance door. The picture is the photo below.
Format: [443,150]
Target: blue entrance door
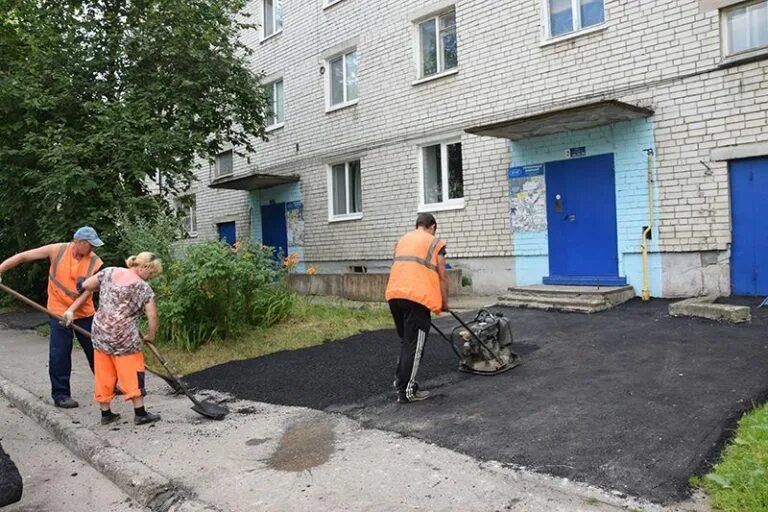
[227,232]
[749,250]
[581,222]
[274,232]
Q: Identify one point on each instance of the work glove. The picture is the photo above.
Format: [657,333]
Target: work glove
[69,316]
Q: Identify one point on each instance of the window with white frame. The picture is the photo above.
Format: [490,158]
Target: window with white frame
[442,177]
[342,79]
[345,191]
[438,51]
[276,115]
[272,21]
[566,16]
[186,209]
[224,163]
[745,27]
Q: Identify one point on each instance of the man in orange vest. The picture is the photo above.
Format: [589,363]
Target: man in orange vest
[417,287]
[71,264]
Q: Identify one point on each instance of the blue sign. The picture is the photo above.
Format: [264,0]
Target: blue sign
[577,152]
[525,171]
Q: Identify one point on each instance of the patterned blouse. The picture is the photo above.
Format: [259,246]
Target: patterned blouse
[116,324]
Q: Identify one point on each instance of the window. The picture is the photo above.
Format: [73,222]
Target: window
[186,209]
[273,17]
[437,44]
[745,27]
[276,115]
[224,164]
[342,80]
[566,16]
[345,191]
[442,177]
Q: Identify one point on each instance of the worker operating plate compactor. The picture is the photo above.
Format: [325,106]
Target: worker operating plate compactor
[483,345]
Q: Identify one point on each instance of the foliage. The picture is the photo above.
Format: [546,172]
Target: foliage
[155,235]
[739,481]
[105,103]
[215,292]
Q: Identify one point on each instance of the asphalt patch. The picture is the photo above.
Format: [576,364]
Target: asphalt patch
[11,485]
[629,399]
[23,319]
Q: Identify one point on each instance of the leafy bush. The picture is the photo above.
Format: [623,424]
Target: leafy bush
[217,293]
[156,234]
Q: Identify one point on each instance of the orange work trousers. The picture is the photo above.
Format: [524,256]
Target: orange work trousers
[127,371]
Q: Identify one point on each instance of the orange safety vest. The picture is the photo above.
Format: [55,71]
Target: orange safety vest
[414,271]
[62,280]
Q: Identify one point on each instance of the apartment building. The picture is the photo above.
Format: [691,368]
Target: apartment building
[530,128]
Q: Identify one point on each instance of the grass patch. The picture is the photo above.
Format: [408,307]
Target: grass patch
[739,482]
[311,322]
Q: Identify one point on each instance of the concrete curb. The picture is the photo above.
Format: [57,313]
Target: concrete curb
[139,481]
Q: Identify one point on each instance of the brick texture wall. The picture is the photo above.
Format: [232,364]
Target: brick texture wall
[660,54]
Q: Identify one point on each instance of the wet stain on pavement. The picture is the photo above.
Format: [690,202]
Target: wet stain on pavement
[304,445]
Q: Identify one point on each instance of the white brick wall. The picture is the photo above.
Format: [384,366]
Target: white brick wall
[662,54]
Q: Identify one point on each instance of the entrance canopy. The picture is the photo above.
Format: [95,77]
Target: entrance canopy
[568,119]
[252,181]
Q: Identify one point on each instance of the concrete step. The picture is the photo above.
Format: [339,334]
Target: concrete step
[583,299]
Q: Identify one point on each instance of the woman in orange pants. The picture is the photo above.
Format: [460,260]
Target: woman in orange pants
[124,296]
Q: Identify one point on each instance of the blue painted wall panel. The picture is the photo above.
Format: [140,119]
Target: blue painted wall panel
[289,193]
[626,140]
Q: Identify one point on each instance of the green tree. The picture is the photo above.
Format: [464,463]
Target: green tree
[101,100]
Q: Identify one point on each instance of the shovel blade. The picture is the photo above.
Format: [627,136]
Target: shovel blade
[211,410]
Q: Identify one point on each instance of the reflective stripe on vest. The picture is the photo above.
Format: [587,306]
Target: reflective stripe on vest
[427,262]
[55,269]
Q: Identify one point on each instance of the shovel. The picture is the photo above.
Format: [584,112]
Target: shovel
[207,409]
[29,302]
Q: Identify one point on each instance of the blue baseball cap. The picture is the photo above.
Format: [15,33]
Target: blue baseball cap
[88,234]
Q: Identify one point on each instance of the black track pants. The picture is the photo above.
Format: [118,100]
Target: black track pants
[412,321]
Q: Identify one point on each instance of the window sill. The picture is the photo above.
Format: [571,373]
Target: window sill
[453,204]
[220,176]
[264,39]
[438,76]
[340,106]
[345,218]
[274,127]
[574,35]
[744,57]
[328,5]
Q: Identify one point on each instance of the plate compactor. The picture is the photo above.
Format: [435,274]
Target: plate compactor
[483,345]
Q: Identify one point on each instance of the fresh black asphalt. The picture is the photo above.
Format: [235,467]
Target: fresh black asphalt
[23,319]
[630,399]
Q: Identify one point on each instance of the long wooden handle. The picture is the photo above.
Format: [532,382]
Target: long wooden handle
[29,302]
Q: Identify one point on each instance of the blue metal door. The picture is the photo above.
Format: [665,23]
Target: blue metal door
[227,232]
[274,232]
[581,222]
[749,250]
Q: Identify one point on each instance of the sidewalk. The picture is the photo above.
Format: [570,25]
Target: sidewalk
[279,458]
[53,478]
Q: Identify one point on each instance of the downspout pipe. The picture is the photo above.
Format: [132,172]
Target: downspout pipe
[646,294]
